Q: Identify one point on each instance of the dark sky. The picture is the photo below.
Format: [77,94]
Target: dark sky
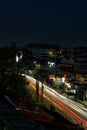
[61,21]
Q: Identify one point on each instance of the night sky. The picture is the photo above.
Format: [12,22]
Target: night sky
[57,21]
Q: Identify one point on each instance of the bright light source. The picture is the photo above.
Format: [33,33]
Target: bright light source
[17,59]
[51,64]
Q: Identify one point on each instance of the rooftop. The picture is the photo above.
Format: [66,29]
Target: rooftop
[18,122]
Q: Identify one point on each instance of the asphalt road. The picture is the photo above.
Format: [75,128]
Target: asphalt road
[74,111]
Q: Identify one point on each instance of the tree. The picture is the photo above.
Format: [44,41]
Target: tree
[41,74]
[11,83]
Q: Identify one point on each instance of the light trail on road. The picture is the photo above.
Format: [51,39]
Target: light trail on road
[74,109]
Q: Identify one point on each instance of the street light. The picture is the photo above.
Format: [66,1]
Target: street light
[18,59]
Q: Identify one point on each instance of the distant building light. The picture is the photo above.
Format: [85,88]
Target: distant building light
[51,64]
[34,62]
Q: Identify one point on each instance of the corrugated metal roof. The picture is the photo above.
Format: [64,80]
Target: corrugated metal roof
[16,119]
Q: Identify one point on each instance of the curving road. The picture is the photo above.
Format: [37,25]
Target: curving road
[76,112]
